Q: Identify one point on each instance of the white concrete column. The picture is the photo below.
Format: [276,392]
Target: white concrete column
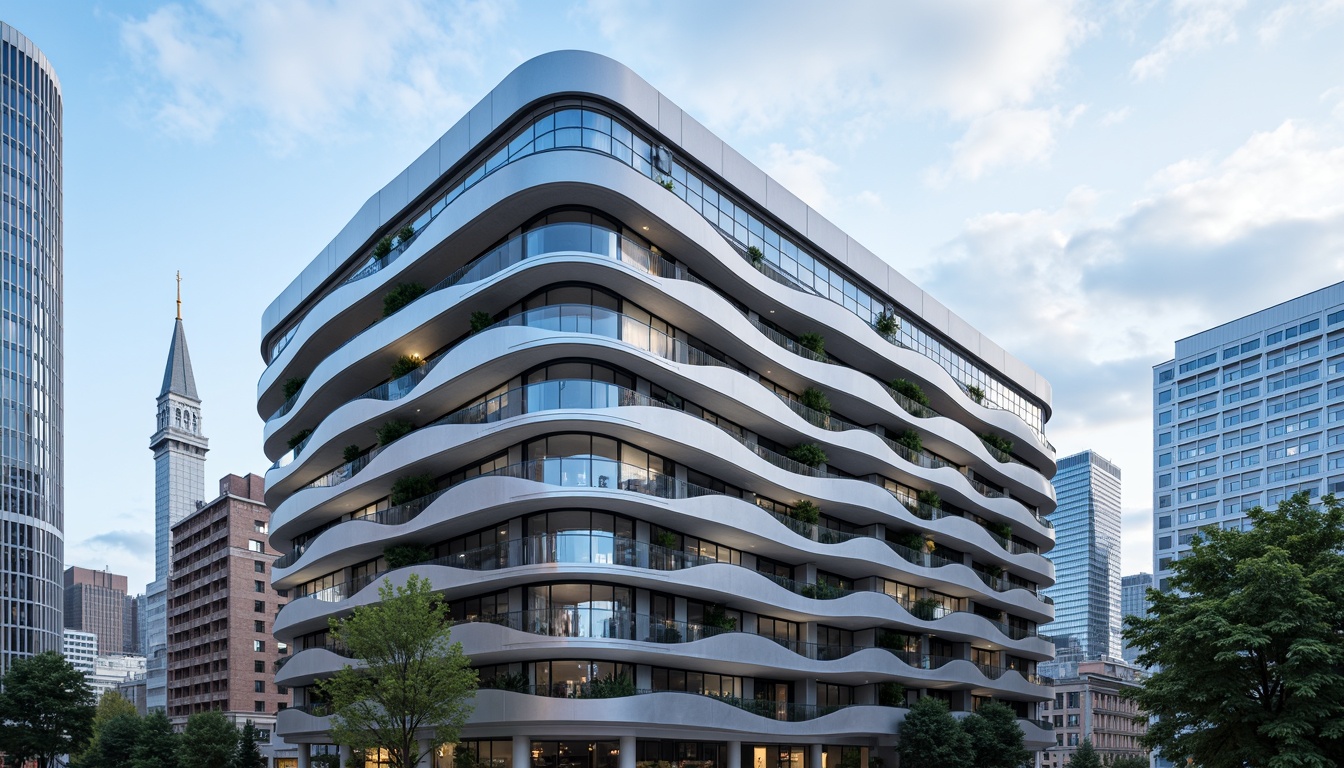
[345,753]
[814,759]
[426,747]
[305,756]
[627,752]
[522,752]
[734,754]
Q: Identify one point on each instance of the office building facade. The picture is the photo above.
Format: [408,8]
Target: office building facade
[221,656]
[95,601]
[1247,414]
[1087,559]
[32,517]
[635,402]
[80,648]
[1133,602]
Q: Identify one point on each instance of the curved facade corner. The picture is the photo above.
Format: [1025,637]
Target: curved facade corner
[32,515]
[694,484]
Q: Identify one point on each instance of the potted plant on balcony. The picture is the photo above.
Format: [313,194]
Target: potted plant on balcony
[715,616]
[406,364]
[351,453]
[401,295]
[814,342]
[296,439]
[977,394]
[757,258]
[925,608]
[816,400]
[886,325]
[804,511]
[480,320]
[405,234]
[910,439]
[292,386]
[393,430]
[911,390]
[808,454]
[410,488]
[402,555]
[382,247]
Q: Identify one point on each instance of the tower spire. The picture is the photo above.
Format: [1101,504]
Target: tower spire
[179,294]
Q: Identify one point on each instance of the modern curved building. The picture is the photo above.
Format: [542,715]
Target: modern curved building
[656,430]
[32,516]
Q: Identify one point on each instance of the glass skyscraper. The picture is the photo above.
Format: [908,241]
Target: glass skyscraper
[1134,602]
[1086,558]
[32,518]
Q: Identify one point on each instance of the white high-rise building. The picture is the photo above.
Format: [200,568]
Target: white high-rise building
[80,648]
[1247,414]
[179,448]
[657,428]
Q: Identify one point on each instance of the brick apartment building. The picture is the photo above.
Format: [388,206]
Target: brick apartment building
[95,601]
[221,655]
[1089,704]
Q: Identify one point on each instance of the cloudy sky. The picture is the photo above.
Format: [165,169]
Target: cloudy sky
[1085,182]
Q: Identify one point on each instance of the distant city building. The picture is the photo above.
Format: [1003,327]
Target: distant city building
[110,672]
[95,601]
[1133,602]
[1243,416]
[80,648]
[32,519]
[221,655]
[1087,559]
[130,618]
[1089,704]
[134,692]
[179,483]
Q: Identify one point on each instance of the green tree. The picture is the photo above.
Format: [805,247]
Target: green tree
[415,679]
[113,744]
[158,743]
[1128,762]
[208,741]
[996,738]
[1084,757]
[47,710]
[248,754]
[1249,642]
[109,706]
[932,738]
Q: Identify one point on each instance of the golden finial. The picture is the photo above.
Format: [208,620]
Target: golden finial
[179,294]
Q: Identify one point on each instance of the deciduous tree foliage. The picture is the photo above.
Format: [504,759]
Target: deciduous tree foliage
[114,742]
[932,738]
[996,738]
[414,680]
[158,743]
[1084,757]
[1250,644]
[208,741]
[248,754]
[46,708]
[109,706]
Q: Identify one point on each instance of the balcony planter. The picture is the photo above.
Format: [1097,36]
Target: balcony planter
[401,295]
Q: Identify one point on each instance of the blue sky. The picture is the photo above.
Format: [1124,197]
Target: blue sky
[1085,182]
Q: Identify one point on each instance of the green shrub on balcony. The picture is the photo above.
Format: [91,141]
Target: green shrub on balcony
[896,641]
[886,325]
[816,400]
[890,694]
[911,540]
[410,488]
[298,437]
[402,555]
[611,686]
[716,616]
[1002,444]
[668,184]
[480,320]
[405,234]
[665,539]
[405,364]
[806,512]
[382,247]
[910,439]
[757,258]
[1002,530]
[292,386]
[351,453]
[925,608]
[822,591]
[814,342]
[977,394]
[994,571]
[809,454]
[930,498]
[514,681]
[393,430]
[911,390]
[401,295]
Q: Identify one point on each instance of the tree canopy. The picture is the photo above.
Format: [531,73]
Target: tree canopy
[114,741]
[248,754]
[47,709]
[996,738]
[414,680]
[932,738]
[157,747]
[1085,756]
[1249,644]
[208,741]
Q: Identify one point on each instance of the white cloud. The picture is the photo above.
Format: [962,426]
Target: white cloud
[1114,117]
[801,171]
[1094,304]
[1316,12]
[1004,138]
[303,68]
[1197,25]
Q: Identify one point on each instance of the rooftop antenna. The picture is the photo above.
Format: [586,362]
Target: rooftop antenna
[179,294]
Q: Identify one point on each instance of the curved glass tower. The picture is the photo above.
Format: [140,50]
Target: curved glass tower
[701,479]
[32,519]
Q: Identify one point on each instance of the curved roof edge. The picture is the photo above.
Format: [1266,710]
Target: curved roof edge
[19,40]
[584,72]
